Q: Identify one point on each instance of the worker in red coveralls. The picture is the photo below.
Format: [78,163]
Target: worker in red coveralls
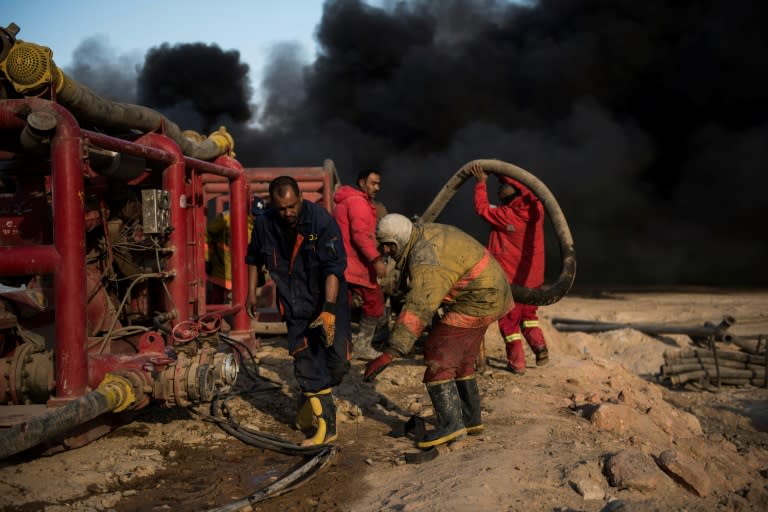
[517,242]
[355,213]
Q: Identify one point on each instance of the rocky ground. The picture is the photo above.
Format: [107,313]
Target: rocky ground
[594,430]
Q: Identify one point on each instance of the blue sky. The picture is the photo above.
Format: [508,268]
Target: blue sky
[131,27]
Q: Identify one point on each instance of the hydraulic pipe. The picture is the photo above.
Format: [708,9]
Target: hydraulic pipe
[69,240]
[115,393]
[239,242]
[30,259]
[218,167]
[174,183]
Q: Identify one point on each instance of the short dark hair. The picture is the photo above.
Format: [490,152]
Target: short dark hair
[280,184]
[363,175]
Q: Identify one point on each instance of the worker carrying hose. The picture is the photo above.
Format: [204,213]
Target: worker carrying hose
[517,242]
[443,268]
[300,245]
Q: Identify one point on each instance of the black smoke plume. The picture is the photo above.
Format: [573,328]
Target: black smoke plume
[647,120]
[196,77]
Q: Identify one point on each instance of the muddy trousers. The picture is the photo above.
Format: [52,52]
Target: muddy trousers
[450,354]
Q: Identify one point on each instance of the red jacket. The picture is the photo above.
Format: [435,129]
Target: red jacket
[517,233]
[356,215]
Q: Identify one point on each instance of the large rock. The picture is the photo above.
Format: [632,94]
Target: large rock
[687,471]
[625,420]
[632,469]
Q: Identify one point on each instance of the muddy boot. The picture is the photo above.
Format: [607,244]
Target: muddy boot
[361,342]
[324,413]
[515,353]
[382,331]
[447,405]
[470,404]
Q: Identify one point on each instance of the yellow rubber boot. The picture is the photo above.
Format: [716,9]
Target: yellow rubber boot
[324,413]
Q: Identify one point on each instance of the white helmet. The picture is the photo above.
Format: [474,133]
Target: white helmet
[395,229]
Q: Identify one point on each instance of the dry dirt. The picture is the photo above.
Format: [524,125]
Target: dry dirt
[587,432]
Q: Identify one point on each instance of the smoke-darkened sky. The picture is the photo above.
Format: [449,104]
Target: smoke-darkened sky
[647,120]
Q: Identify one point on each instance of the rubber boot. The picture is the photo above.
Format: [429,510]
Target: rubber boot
[515,353]
[324,412]
[382,330]
[362,341]
[535,338]
[304,417]
[447,405]
[470,404]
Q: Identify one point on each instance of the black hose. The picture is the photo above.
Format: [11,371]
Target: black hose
[54,423]
[543,295]
[292,479]
[86,104]
[263,440]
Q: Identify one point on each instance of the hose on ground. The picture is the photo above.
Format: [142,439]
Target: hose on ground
[292,479]
[115,393]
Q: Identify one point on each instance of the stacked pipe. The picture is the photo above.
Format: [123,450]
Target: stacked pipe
[713,366]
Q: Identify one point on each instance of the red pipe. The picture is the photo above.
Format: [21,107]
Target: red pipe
[68,240]
[223,169]
[238,207]
[174,183]
[30,259]
[131,148]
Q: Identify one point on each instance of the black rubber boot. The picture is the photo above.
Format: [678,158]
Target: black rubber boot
[470,404]
[447,405]
[324,412]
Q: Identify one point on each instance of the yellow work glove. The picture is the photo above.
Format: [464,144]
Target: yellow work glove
[326,321]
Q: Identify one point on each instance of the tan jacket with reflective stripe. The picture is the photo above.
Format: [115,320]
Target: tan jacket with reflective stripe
[445,266]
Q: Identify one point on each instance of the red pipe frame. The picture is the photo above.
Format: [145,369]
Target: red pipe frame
[66,257]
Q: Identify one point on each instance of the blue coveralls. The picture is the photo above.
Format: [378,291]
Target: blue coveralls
[299,277]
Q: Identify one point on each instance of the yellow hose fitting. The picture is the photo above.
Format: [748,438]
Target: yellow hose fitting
[224,141]
[118,391]
[29,67]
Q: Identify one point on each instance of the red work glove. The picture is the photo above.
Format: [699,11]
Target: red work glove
[327,322]
[375,367]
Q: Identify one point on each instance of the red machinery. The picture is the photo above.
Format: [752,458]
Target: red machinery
[103,212]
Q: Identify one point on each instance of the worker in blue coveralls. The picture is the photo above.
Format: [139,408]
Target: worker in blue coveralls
[299,244]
